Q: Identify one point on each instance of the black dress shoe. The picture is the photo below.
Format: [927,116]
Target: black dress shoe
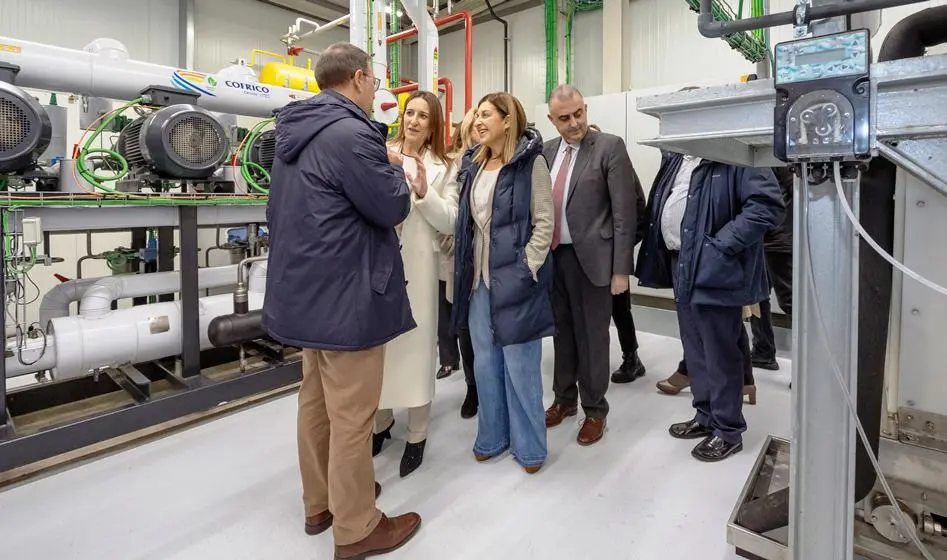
[378,440]
[445,372]
[692,429]
[765,363]
[630,369]
[471,403]
[412,458]
[715,449]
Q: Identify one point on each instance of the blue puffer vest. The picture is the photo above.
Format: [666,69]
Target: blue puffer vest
[520,307]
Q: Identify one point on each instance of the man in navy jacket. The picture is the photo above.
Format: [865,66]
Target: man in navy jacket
[336,289]
[706,223]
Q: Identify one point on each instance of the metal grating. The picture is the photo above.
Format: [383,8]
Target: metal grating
[267,144]
[195,140]
[15,127]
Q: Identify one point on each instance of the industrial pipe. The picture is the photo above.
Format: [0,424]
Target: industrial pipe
[236,328]
[506,47]
[448,100]
[240,295]
[98,298]
[75,346]
[468,49]
[715,29]
[111,74]
[57,300]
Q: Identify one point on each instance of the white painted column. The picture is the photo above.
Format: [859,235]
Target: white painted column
[379,46]
[358,23]
[427,43]
[612,50]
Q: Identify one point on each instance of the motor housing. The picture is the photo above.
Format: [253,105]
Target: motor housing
[175,142]
[25,127]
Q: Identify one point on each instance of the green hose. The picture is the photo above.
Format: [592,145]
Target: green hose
[87,150]
[247,167]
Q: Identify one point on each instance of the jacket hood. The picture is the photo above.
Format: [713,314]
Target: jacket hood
[531,143]
[301,121]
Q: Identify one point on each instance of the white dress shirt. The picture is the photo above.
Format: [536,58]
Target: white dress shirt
[673,214]
[565,237]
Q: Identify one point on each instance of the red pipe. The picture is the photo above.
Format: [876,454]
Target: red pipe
[468,49]
[448,100]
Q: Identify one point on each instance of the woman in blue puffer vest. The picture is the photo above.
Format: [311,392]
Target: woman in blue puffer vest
[503,278]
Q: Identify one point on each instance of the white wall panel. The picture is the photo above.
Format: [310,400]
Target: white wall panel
[148,28]
[227,30]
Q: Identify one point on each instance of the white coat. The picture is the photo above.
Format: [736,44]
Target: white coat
[410,359]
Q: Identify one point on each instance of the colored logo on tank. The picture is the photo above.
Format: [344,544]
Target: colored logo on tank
[194,81]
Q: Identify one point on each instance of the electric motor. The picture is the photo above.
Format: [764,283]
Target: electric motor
[263,150]
[25,129]
[176,142]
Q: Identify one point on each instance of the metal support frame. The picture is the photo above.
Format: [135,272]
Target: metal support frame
[205,395]
[734,124]
[190,307]
[186,391]
[6,428]
[166,255]
[822,468]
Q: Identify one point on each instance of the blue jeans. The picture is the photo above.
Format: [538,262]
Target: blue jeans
[510,389]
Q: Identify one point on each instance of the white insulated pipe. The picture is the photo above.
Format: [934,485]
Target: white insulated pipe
[57,300]
[79,345]
[112,75]
[98,298]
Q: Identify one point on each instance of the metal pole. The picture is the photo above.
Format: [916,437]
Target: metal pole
[186,32]
[5,427]
[822,467]
[190,306]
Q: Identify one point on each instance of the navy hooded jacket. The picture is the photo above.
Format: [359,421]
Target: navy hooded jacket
[335,278]
[729,210]
[520,307]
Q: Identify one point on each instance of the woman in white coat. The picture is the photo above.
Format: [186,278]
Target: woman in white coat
[410,359]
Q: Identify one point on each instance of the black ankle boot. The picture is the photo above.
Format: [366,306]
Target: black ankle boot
[471,404]
[378,440]
[412,458]
[630,369]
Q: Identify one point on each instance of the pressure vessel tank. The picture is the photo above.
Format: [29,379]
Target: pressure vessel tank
[288,76]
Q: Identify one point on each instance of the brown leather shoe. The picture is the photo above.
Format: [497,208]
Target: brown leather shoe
[556,413]
[674,384]
[390,534]
[320,523]
[533,469]
[592,430]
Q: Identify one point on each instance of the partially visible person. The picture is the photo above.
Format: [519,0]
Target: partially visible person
[409,360]
[708,222]
[631,367]
[777,247]
[447,339]
[336,289]
[777,250]
[593,256]
[503,278]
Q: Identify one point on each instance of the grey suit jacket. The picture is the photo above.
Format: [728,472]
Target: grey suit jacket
[601,205]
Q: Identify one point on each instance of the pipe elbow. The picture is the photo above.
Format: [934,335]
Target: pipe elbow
[98,299]
[708,27]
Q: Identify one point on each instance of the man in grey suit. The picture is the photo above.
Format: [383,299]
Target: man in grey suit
[593,243]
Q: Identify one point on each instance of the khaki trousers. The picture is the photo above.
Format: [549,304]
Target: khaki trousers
[337,403]
[419,418]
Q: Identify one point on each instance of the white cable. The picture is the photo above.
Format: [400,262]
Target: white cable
[871,242]
[906,525]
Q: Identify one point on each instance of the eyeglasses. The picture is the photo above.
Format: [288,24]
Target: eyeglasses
[377,83]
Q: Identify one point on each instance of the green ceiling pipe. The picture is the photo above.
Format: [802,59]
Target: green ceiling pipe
[552,45]
[394,52]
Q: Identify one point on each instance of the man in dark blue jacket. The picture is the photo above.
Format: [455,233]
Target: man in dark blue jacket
[336,289]
[706,223]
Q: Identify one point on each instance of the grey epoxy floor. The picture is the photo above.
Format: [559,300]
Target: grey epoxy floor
[229,488]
